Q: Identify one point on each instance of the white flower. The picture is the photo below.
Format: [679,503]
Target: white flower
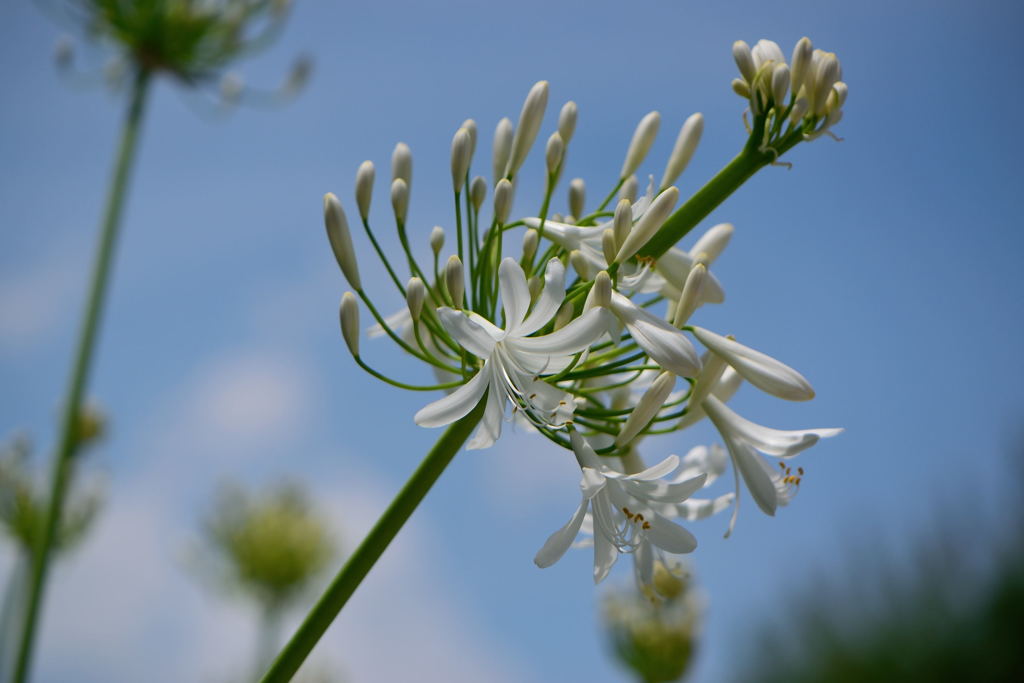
[761,370]
[623,511]
[665,344]
[513,360]
[746,440]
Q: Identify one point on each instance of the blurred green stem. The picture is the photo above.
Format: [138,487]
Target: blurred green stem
[372,547]
[71,406]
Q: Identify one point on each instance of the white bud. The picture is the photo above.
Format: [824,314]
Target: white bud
[744,60]
[640,145]
[502,148]
[454,280]
[364,188]
[437,239]
[567,121]
[646,408]
[780,85]
[800,63]
[686,144]
[401,163]
[564,315]
[825,77]
[554,152]
[622,223]
[534,285]
[529,125]
[341,240]
[349,316]
[608,246]
[400,199]
[689,300]
[629,189]
[841,90]
[577,195]
[478,192]
[462,151]
[470,126]
[649,223]
[711,244]
[799,110]
[415,293]
[740,87]
[767,51]
[502,200]
[602,290]
[579,264]
[530,241]
[557,218]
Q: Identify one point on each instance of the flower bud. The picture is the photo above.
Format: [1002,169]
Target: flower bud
[640,145]
[608,246]
[744,60]
[415,293]
[364,188]
[649,223]
[478,192]
[341,240]
[841,90]
[349,316]
[711,244]
[579,264]
[502,200]
[529,125]
[401,163]
[602,290]
[567,121]
[780,85]
[577,195]
[689,300]
[646,408]
[564,315]
[623,222]
[825,77]
[454,280]
[470,126]
[502,148]
[798,111]
[461,156]
[629,190]
[530,240]
[799,63]
[534,285]
[400,199]
[437,239]
[554,152]
[686,144]
[740,87]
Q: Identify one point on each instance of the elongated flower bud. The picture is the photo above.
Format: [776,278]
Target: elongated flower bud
[564,315]
[799,63]
[689,300]
[534,285]
[454,280]
[529,125]
[470,126]
[400,199]
[608,246]
[502,148]
[567,121]
[415,293]
[579,264]
[640,145]
[799,110]
[711,244]
[530,241]
[577,195]
[824,77]
[761,370]
[623,222]
[646,408]
[740,87]
[364,188]
[780,85]
[841,90]
[686,144]
[602,290]
[630,188]
[502,200]
[437,239]
[349,316]
[554,152]
[744,60]
[341,240]
[462,151]
[710,373]
[478,192]
[401,163]
[649,223]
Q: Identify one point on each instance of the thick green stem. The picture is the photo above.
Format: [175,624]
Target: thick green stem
[67,439]
[370,550]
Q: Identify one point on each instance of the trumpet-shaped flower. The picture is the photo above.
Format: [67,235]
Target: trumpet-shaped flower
[513,361]
[622,509]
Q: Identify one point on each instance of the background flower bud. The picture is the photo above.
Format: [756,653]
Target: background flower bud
[341,240]
[437,239]
[454,280]
[567,121]
[640,145]
[349,315]
[502,148]
[401,163]
[462,150]
[415,293]
[577,196]
[400,199]
[502,200]
[478,192]
[364,188]
[682,152]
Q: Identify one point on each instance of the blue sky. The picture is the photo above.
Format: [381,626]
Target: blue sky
[885,268]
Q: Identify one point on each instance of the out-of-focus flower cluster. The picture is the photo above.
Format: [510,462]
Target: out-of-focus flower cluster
[554,321]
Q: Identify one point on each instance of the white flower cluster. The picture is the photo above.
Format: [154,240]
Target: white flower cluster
[581,338]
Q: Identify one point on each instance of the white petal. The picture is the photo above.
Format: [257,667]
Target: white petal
[515,295]
[643,563]
[592,482]
[489,429]
[712,242]
[559,542]
[670,537]
[549,301]
[455,405]
[605,554]
[701,508]
[665,492]
[399,322]
[666,345]
[574,337]
[781,442]
[755,474]
[763,371]
[468,331]
[658,471]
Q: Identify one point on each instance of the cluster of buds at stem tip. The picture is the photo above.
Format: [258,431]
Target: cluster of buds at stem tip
[558,323]
[799,100]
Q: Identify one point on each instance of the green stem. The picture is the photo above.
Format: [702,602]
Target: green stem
[80,371]
[370,550]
